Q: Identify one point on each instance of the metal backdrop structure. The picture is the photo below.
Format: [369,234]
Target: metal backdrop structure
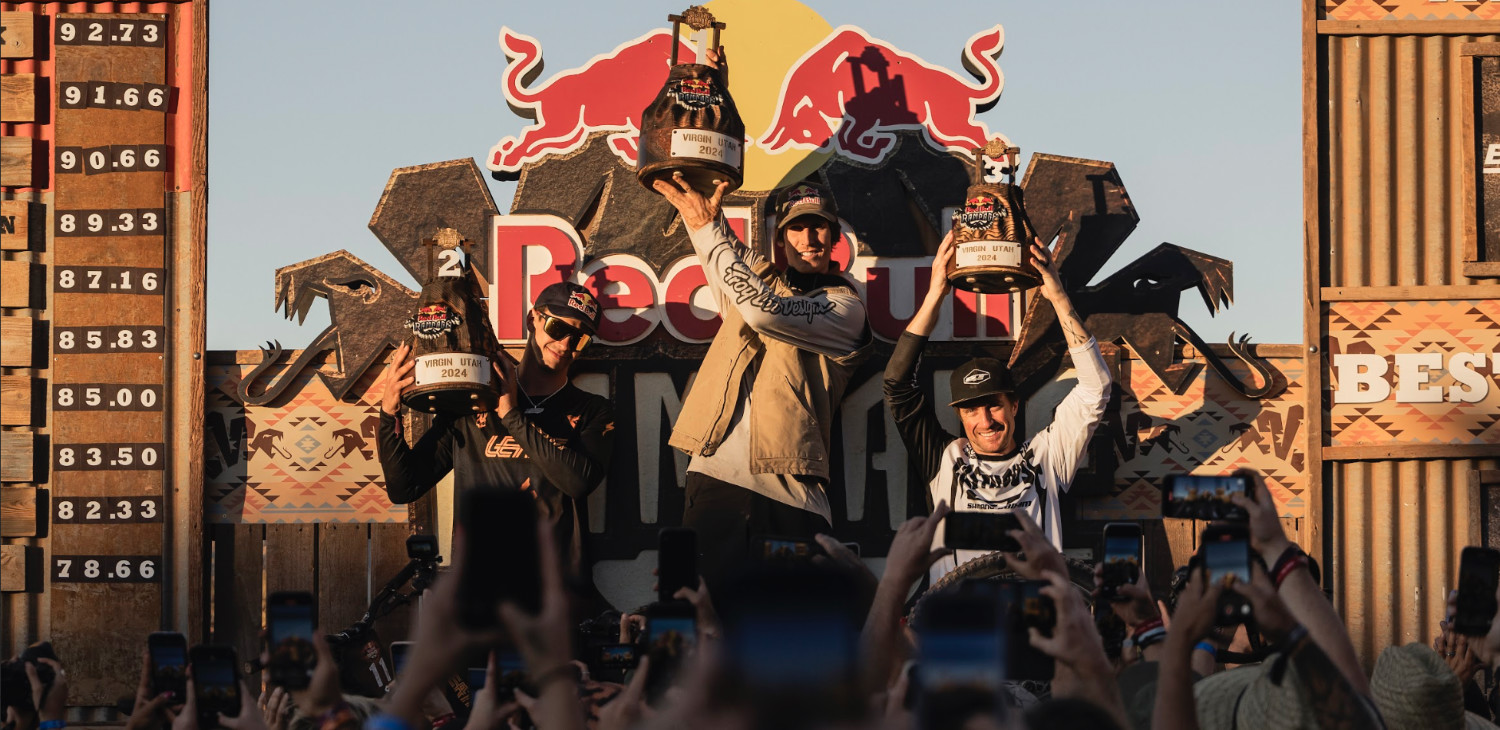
[1405,459]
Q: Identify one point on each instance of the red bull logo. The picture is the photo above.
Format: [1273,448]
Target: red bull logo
[979,212]
[607,94]
[697,93]
[433,321]
[849,94]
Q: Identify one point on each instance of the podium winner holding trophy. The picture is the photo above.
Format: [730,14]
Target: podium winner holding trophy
[544,436]
[990,468]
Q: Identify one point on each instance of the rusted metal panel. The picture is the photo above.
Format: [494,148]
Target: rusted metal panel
[1397,530]
[1393,160]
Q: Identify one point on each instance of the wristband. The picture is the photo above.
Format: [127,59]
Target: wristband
[1212,650]
[1145,626]
[439,722]
[1293,640]
[1288,564]
[52,725]
[1149,637]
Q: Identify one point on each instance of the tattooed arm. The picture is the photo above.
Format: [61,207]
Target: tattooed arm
[1052,289]
[1336,704]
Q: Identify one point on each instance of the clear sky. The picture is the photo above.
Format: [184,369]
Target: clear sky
[311,105]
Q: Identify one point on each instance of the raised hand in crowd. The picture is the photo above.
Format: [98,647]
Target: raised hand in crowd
[1485,649]
[488,713]
[1083,670]
[839,557]
[250,717]
[51,702]
[909,557]
[276,707]
[1037,556]
[1134,604]
[149,712]
[629,708]
[707,619]
[545,641]
[1294,583]
[1192,621]
[323,693]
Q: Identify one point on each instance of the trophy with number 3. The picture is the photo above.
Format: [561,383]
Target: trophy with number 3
[992,232]
[692,126]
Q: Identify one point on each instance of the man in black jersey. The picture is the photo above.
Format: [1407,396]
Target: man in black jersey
[545,436]
[990,468]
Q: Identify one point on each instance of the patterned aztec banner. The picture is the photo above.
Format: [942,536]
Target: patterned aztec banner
[1410,10]
[1413,372]
[1209,429]
[311,459]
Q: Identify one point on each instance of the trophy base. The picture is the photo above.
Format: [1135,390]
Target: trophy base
[450,399]
[994,279]
[701,176]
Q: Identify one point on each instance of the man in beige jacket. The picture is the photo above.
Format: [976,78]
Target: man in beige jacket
[758,419]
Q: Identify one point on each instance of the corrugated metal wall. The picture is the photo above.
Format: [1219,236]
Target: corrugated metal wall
[1397,530]
[1394,150]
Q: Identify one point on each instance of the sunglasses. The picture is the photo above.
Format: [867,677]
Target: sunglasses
[557,329]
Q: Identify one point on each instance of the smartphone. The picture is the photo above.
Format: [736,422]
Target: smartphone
[400,650]
[676,561]
[1226,552]
[500,556]
[612,661]
[169,659]
[1123,554]
[1023,607]
[291,618]
[216,683]
[1191,497]
[671,633]
[981,531]
[1478,575]
[769,548]
[961,657]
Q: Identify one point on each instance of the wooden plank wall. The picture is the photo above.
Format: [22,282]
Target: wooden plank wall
[343,564]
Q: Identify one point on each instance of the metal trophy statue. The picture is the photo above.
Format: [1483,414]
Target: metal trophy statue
[992,231]
[451,340]
[692,126]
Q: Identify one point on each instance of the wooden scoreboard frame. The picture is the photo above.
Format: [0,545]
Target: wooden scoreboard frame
[104,536]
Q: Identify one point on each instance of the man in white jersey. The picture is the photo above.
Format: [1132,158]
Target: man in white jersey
[989,469]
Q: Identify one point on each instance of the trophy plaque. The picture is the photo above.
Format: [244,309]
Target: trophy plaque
[451,340]
[692,126]
[992,233]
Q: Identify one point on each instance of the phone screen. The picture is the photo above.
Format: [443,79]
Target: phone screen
[677,561]
[1227,557]
[952,659]
[804,650]
[475,678]
[778,548]
[1122,557]
[400,650]
[1478,573]
[500,561]
[1188,496]
[169,662]
[981,531]
[291,619]
[1023,607]
[215,683]
[962,659]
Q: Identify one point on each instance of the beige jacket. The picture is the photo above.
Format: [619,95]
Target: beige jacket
[795,390]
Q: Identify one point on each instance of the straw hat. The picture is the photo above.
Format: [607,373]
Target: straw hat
[1415,690]
[1246,698]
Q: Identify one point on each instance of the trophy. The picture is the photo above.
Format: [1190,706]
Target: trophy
[692,126]
[451,340]
[992,233]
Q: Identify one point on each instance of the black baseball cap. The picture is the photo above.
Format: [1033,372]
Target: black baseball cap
[978,378]
[566,299]
[805,198]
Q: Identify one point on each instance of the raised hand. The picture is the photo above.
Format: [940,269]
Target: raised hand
[696,210]
[397,379]
[1037,553]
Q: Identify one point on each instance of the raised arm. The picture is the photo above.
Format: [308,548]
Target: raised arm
[1052,289]
[911,409]
[829,321]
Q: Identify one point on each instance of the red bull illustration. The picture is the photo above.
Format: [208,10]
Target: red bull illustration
[850,93]
[607,94]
